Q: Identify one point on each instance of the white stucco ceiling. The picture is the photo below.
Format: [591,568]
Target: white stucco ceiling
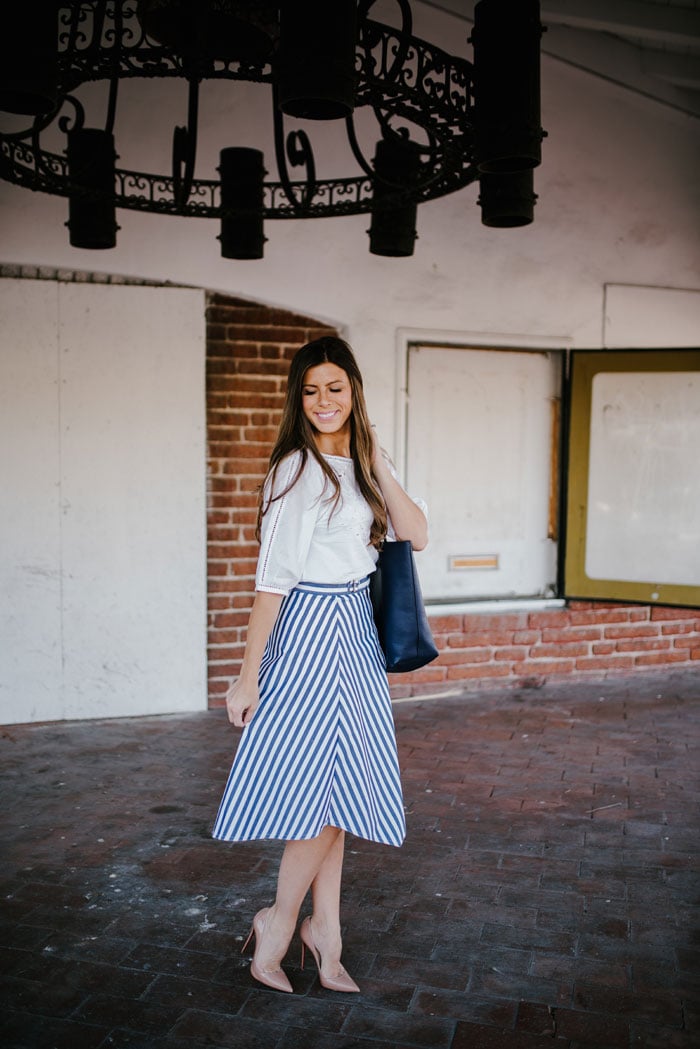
[651,47]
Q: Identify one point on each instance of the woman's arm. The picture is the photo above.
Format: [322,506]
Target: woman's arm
[408,520]
[243,696]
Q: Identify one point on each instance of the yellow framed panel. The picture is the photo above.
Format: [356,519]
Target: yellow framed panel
[586,365]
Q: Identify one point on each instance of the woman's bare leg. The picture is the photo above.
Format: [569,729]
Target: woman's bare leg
[302,862]
[321,931]
[325,892]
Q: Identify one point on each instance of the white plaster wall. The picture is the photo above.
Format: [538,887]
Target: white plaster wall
[637,317]
[619,203]
[102,563]
[30,525]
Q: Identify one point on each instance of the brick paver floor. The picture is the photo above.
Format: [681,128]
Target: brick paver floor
[544,899]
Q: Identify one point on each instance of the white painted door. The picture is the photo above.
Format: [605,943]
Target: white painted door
[102,481]
[479,450]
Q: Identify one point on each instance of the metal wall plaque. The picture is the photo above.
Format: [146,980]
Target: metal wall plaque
[472,562]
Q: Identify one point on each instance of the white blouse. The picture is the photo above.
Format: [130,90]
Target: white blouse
[303,536]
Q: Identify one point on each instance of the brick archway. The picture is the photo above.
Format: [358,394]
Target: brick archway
[249,347]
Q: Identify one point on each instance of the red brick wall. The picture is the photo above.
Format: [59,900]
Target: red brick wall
[587,639]
[248,352]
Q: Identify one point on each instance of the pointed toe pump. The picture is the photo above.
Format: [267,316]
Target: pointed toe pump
[341,981]
[274,978]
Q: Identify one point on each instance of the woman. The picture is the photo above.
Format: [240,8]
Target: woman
[318,754]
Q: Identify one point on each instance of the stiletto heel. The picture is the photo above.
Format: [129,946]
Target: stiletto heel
[340,982]
[274,978]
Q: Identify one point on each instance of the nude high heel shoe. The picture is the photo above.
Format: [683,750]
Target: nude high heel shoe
[274,978]
[341,981]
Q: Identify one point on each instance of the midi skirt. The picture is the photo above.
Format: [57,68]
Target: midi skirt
[321,748]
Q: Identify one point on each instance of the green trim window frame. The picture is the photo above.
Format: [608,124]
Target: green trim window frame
[633,492]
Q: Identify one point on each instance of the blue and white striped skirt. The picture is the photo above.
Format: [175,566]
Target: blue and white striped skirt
[321,748]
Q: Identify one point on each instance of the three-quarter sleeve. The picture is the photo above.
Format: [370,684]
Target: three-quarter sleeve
[288,525]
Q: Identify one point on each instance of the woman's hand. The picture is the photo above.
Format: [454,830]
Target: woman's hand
[241,703]
[243,694]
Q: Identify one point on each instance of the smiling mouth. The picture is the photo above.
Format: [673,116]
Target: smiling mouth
[325,416]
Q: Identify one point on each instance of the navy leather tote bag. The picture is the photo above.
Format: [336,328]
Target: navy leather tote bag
[399,613]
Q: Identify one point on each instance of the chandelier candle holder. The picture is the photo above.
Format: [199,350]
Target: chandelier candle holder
[442,121]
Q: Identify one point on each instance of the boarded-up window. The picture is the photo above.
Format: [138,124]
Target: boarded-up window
[633,513]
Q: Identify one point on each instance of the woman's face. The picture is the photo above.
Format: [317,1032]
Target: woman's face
[326,400]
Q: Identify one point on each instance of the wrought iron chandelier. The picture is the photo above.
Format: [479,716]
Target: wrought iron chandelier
[443,122]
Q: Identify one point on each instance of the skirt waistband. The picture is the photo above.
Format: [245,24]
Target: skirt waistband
[333,588]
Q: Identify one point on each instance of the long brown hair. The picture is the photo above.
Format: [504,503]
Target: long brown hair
[297,434]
